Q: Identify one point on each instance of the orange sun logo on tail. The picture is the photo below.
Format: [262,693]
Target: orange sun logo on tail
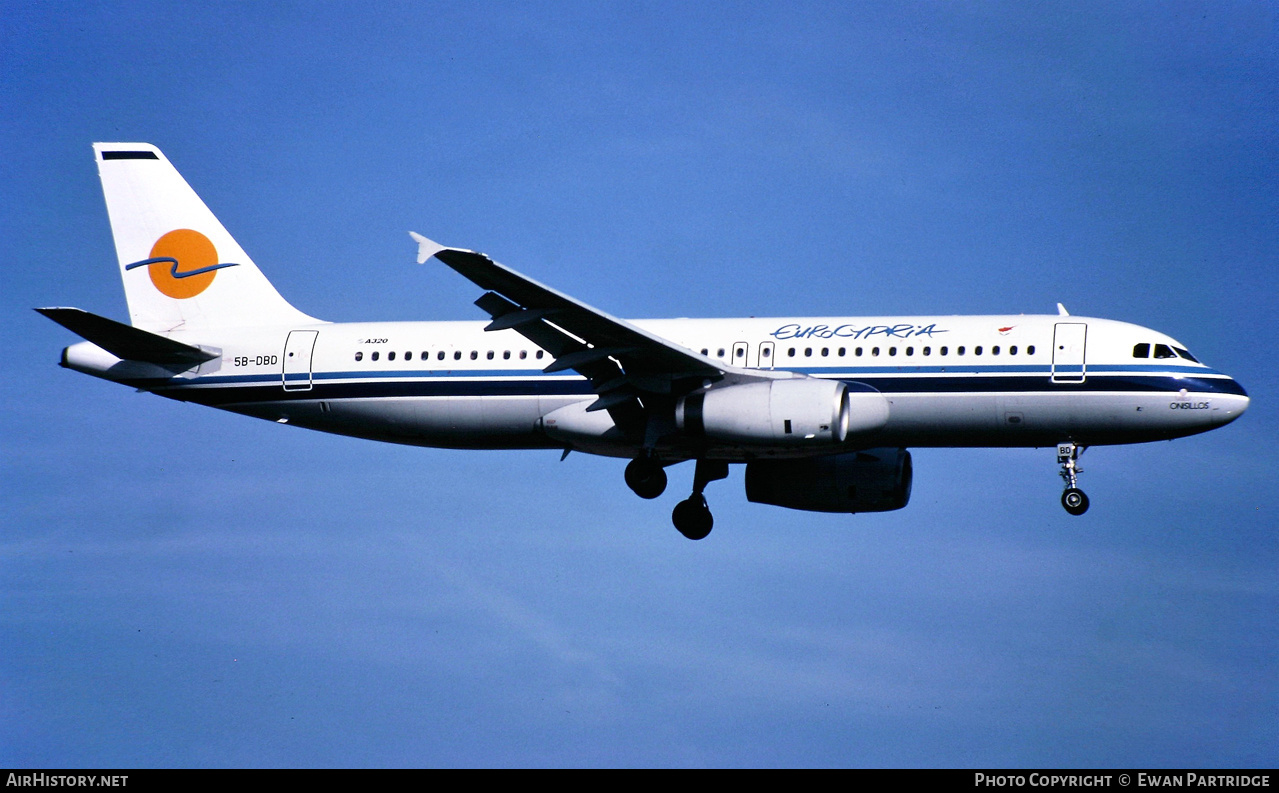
[182,263]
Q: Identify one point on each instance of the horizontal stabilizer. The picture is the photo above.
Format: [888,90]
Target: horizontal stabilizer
[127,342]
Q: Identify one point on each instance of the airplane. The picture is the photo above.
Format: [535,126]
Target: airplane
[821,411]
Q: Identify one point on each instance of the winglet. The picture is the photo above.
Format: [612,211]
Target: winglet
[425,248]
[1061,310]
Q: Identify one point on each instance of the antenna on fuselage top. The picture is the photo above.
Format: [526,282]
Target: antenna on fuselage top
[1062,310]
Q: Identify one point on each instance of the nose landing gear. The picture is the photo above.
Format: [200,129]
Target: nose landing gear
[692,516]
[1073,499]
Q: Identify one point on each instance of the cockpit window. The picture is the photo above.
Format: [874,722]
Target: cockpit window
[1164,351]
[1141,351]
[1186,354]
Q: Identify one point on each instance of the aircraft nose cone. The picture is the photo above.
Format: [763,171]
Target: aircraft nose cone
[1233,405]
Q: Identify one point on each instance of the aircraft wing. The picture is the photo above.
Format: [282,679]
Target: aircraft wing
[623,362]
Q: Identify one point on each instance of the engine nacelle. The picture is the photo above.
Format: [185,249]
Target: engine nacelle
[793,412]
[872,480]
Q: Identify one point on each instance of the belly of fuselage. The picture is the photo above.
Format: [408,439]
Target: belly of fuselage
[941,413]
[1044,419]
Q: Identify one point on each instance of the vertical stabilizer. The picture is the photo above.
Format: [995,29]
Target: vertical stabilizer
[181,269]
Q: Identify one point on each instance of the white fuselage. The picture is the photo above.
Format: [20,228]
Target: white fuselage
[1023,380]
[821,410]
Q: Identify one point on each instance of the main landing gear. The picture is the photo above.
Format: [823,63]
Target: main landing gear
[645,477]
[1073,499]
[691,516]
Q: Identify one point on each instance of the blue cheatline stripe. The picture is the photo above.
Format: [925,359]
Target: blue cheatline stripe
[843,372]
[1044,369]
[270,390]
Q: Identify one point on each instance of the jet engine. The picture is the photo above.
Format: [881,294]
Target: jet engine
[795,412]
[872,480]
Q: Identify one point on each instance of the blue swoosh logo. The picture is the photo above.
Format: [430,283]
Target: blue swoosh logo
[174,269]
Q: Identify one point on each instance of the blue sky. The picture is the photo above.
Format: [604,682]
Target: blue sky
[183,587]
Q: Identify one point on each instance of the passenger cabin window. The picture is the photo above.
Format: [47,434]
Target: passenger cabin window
[475,355]
[489,355]
[1012,350]
[1141,351]
[994,350]
[538,355]
[959,350]
[858,352]
[1030,350]
[944,351]
[440,355]
[457,355]
[1164,351]
[390,356]
[359,356]
[523,354]
[977,350]
[373,356]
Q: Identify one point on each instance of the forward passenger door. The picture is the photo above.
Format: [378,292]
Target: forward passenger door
[1069,340]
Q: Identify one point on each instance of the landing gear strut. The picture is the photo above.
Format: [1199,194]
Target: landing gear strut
[691,516]
[1073,499]
[645,477]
